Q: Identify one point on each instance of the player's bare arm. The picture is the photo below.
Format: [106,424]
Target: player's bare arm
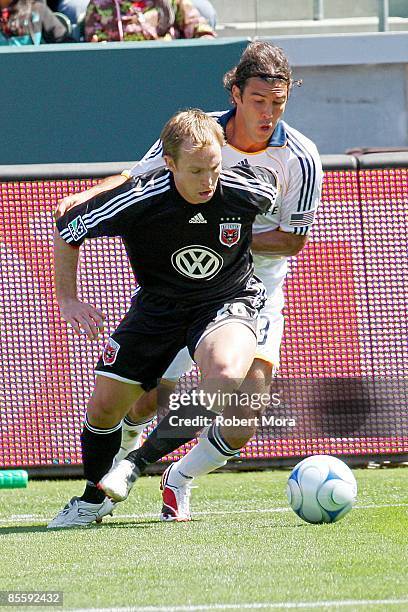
[277,242]
[110,182]
[84,318]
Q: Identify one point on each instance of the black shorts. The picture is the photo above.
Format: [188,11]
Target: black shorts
[155,328]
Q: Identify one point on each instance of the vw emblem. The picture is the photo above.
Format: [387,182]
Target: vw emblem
[196,261]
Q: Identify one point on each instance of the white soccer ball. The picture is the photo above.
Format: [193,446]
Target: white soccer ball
[321,489]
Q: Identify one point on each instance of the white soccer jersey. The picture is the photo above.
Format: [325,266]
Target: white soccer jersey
[297,163]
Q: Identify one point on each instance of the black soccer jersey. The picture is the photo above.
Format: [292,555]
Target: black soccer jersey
[187,252]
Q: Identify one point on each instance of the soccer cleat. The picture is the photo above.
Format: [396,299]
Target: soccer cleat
[176,500]
[130,442]
[79,513]
[118,482]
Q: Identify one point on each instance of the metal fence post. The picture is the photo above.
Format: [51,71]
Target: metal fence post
[383,14]
[318,10]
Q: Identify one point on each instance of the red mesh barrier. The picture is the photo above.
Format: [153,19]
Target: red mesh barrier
[345,326]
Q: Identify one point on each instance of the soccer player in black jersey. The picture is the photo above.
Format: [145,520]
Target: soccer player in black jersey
[255,133]
[187,230]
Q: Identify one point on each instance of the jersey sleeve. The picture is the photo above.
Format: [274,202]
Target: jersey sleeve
[300,202]
[107,214]
[257,186]
[152,160]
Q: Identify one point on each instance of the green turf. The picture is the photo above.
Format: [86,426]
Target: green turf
[225,556]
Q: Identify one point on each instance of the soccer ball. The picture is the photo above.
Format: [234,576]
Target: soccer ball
[321,489]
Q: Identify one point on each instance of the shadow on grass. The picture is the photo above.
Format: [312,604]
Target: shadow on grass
[271,525]
[43,528]
[135,524]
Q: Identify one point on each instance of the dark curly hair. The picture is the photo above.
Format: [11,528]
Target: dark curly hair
[260,59]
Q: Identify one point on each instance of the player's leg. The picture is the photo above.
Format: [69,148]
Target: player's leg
[110,402]
[140,415]
[214,448]
[216,445]
[123,374]
[256,385]
[225,366]
[145,408]
[224,357]
[233,353]
[100,440]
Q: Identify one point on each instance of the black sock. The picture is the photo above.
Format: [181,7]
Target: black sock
[99,446]
[92,494]
[168,436]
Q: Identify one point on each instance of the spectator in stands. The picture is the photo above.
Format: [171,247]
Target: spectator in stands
[207,11]
[30,22]
[115,20]
[75,10]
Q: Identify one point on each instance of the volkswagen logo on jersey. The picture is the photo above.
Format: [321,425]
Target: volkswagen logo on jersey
[230,233]
[197,262]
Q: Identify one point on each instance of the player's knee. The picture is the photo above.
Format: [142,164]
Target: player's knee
[102,413]
[229,375]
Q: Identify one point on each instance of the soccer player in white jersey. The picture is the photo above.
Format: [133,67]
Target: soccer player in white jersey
[256,135]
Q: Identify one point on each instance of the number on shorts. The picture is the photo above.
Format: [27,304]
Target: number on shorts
[236,309]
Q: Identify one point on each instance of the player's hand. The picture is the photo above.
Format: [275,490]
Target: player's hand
[83,318]
[69,202]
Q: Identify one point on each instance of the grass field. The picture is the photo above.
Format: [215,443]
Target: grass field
[245,550]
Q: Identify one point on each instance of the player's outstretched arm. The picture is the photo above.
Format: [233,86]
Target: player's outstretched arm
[110,182]
[84,318]
[277,242]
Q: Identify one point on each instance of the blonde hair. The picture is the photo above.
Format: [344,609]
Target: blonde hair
[192,127]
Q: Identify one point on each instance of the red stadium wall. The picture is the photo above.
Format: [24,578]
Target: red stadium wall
[344,367]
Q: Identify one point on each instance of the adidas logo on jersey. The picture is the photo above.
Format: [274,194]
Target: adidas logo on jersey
[198,219]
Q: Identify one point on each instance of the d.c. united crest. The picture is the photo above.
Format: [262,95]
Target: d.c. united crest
[230,233]
[110,352]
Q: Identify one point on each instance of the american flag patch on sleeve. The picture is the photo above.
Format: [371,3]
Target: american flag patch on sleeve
[300,219]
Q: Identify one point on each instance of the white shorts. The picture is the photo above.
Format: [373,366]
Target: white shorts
[181,363]
[270,331]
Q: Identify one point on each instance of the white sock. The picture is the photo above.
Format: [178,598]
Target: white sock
[202,459]
[131,438]
[132,430]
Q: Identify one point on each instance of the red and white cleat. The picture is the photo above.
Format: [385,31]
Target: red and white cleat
[176,500]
